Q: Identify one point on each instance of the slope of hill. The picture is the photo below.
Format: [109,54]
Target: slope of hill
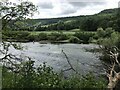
[105,17]
[55,20]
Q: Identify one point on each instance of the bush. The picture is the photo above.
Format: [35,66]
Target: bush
[108,43]
[113,40]
[56,36]
[22,35]
[109,31]
[84,36]
[74,39]
[44,77]
[42,36]
[32,38]
[30,77]
[100,33]
[103,33]
[17,35]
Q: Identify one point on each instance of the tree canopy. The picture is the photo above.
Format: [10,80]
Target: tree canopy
[13,12]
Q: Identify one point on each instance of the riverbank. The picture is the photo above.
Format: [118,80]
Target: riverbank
[57,37]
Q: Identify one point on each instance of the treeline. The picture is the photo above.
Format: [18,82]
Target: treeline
[104,19]
[87,23]
[59,26]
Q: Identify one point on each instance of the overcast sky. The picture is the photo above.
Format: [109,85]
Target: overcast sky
[63,8]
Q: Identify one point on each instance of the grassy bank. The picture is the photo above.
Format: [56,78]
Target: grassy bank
[73,36]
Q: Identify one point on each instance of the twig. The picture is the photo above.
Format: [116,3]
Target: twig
[71,67]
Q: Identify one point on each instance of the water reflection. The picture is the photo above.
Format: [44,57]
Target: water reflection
[81,60]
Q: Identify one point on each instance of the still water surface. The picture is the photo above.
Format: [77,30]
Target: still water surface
[81,60]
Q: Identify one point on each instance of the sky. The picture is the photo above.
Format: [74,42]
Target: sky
[66,8]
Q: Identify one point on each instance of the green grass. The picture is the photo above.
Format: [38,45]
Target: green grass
[49,32]
[71,32]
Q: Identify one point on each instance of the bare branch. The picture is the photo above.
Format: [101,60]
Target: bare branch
[71,67]
[113,75]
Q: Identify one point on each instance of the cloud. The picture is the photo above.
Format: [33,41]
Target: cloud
[85,4]
[69,7]
[45,5]
[65,8]
[69,11]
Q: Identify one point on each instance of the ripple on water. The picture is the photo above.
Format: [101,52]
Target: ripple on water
[80,59]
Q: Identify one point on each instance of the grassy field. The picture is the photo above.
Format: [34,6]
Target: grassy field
[49,32]
[71,32]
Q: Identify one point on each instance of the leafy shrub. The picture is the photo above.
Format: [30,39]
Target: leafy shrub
[22,35]
[56,36]
[42,36]
[108,43]
[74,39]
[84,36]
[32,38]
[108,32]
[17,35]
[103,33]
[43,76]
[31,77]
[100,33]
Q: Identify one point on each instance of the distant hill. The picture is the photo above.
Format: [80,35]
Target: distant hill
[109,11]
[104,17]
[55,20]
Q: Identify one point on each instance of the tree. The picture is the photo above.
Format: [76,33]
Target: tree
[111,51]
[117,25]
[90,24]
[104,23]
[13,12]
[100,32]
[60,25]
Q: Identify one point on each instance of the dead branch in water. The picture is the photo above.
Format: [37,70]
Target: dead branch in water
[71,67]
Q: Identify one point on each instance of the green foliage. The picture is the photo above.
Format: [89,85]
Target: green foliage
[20,11]
[108,43]
[16,35]
[89,81]
[46,77]
[90,24]
[56,36]
[32,37]
[43,76]
[111,41]
[108,32]
[42,36]
[103,33]
[8,78]
[100,33]
[26,75]
[26,36]
[74,39]
[117,25]
[104,19]
[84,36]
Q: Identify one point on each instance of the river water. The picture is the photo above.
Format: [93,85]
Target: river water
[81,60]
